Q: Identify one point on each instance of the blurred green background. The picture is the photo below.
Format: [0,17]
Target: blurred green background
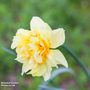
[72,15]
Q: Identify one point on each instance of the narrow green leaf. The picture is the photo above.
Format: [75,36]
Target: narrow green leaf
[59,71]
[49,88]
[9,51]
[63,70]
[78,60]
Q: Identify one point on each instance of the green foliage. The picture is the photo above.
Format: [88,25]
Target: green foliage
[72,15]
[49,88]
[59,71]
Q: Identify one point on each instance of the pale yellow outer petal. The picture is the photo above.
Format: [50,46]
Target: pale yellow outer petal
[60,58]
[26,66]
[46,33]
[23,31]
[16,42]
[51,59]
[56,57]
[50,63]
[39,70]
[42,69]
[14,45]
[48,73]
[47,27]
[21,58]
[37,24]
[57,38]
[33,71]
[44,38]
[20,36]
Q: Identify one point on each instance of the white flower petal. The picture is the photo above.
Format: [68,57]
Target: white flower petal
[60,58]
[57,38]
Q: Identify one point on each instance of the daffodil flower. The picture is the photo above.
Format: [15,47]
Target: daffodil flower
[35,48]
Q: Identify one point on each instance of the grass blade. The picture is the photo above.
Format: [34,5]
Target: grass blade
[49,88]
[78,60]
[63,70]
[9,51]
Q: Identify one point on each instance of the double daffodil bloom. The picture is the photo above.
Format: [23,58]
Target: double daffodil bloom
[36,48]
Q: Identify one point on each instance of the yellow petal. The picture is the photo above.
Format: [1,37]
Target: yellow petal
[37,57]
[23,37]
[37,24]
[57,38]
[42,70]
[44,38]
[60,58]
[16,38]
[33,71]
[23,31]
[31,60]
[14,45]
[16,42]
[20,35]
[26,66]
[50,63]
[51,58]
[32,45]
[47,27]
[46,33]
[48,73]
[21,58]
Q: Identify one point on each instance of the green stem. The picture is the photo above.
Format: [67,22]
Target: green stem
[78,60]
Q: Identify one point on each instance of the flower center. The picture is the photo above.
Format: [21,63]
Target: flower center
[35,47]
[39,47]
